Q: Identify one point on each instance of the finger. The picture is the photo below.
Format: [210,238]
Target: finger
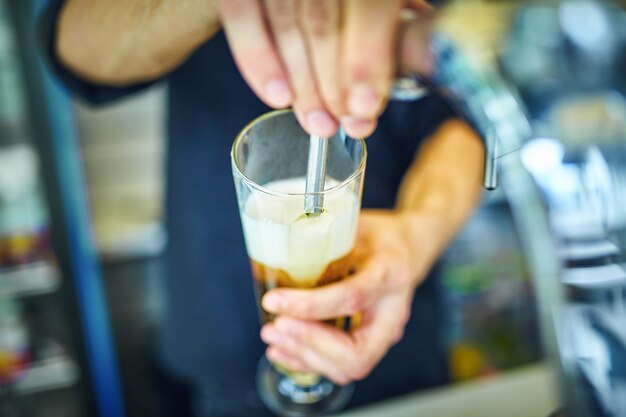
[310,359]
[358,128]
[308,105]
[415,54]
[286,359]
[321,24]
[380,329]
[368,47]
[254,52]
[336,346]
[384,323]
[343,298]
[351,355]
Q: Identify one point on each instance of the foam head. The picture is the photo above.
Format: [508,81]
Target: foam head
[279,236]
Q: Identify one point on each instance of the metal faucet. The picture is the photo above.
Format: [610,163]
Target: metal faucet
[483,98]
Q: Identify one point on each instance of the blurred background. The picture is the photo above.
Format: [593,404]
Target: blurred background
[80,319]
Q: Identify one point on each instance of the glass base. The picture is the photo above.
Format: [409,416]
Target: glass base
[286,398]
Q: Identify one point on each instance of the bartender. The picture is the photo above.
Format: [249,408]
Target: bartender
[332,62]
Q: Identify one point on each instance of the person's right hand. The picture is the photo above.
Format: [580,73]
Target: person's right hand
[333,61]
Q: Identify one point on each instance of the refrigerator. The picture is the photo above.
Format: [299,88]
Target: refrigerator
[57,356]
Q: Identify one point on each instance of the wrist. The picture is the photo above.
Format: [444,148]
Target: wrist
[425,236]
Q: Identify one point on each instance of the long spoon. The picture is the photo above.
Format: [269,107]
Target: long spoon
[316,175]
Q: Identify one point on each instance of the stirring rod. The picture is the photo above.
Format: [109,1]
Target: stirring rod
[316,175]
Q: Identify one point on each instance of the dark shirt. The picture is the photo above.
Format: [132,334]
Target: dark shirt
[211,326]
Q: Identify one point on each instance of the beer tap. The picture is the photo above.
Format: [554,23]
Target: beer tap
[481,96]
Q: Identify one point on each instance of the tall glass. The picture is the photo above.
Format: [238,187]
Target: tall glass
[288,248]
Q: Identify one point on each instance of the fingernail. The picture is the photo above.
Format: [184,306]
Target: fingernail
[363,101]
[319,122]
[357,128]
[272,354]
[269,334]
[278,93]
[273,303]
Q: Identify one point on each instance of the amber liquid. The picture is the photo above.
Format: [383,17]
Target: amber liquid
[267,278]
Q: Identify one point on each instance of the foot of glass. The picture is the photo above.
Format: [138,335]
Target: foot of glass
[288,398]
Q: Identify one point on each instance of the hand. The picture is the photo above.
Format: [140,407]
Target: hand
[380,293]
[333,61]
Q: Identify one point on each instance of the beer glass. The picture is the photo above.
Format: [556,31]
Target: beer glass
[289,248]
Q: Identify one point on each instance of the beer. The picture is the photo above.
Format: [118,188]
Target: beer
[290,249]
[267,278]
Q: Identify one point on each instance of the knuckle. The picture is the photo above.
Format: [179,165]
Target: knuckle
[361,70]
[281,14]
[372,65]
[303,309]
[318,18]
[299,333]
[398,274]
[404,277]
[361,368]
[354,298]
[341,380]
[398,336]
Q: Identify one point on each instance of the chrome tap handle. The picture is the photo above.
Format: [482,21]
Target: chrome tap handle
[482,97]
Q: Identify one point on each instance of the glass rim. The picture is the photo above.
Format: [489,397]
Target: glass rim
[274,113]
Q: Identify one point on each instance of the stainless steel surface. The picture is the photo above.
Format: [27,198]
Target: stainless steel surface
[316,175]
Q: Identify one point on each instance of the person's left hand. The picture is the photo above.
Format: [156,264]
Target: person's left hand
[379,294]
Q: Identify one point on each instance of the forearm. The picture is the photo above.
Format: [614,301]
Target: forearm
[121,42]
[440,191]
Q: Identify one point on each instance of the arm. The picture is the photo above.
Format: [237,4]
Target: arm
[441,190]
[398,246]
[122,42]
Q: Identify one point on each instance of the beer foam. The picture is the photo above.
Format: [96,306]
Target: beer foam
[279,236]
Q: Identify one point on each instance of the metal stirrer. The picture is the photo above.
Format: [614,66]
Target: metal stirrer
[316,175]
